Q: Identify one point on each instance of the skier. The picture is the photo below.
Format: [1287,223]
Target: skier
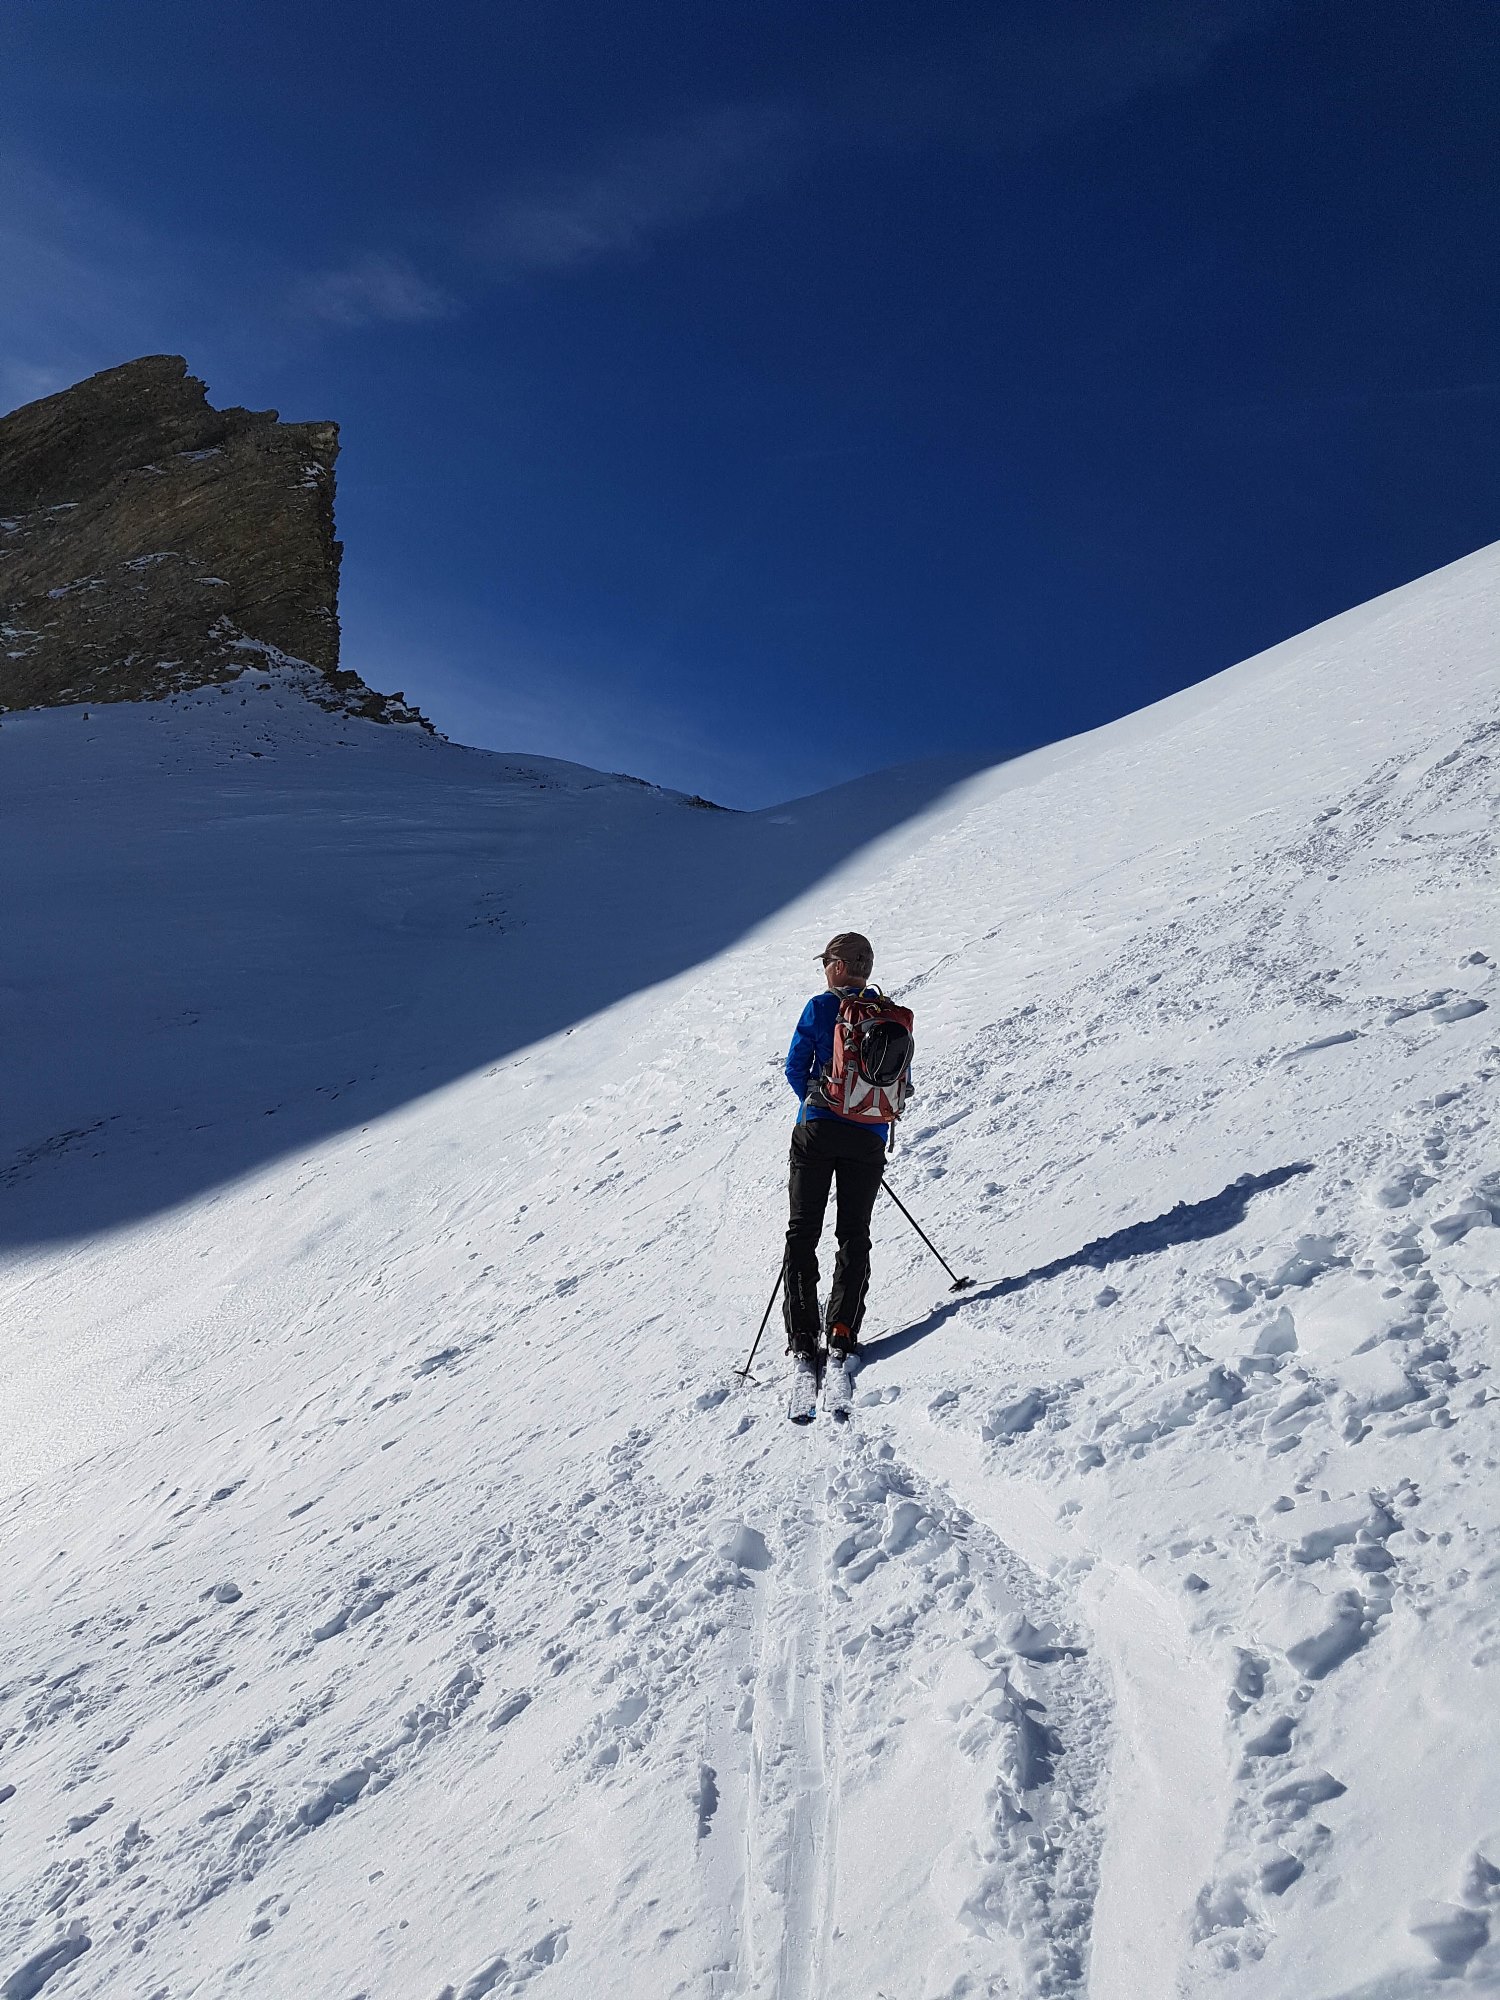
[829,1147]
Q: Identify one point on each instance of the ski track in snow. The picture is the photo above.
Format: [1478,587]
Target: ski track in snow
[898,1669]
[793,1776]
[404,1601]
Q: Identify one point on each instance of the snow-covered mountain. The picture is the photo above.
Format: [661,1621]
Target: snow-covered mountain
[402,1598]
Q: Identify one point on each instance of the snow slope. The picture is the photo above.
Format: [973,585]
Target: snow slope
[241,925]
[402,1598]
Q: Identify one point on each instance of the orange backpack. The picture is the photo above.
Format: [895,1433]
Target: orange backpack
[869,1077]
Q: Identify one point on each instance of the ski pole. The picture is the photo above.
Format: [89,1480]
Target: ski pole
[744,1373]
[959,1284]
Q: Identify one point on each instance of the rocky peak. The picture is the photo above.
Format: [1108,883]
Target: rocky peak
[149,542]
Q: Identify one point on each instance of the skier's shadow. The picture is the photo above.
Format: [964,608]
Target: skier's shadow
[1187,1222]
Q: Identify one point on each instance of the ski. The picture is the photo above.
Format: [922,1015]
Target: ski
[838,1386]
[802,1393]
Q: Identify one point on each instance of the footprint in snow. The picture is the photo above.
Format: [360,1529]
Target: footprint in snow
[508,1708]
[444,1358]
[745,1547]
[29,1978]
[505,1975]
[1401,1187]
[1442,1007]
[1013,1420]
[706,1798]
[1323,1042]
[353,1613]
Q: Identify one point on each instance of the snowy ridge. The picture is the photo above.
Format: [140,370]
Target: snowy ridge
[403,1600]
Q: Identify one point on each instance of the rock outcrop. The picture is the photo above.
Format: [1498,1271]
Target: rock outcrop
[149,543]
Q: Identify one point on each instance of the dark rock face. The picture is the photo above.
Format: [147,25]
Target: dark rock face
[150,543]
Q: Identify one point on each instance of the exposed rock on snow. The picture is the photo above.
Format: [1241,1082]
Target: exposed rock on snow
[150,543]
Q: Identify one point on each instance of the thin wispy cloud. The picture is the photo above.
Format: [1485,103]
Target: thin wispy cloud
[1018,77]
[1037,69]
[88,284]
[372,289]
[1085,58]
[648,188]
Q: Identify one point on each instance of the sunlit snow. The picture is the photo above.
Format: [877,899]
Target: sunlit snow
[402,1598]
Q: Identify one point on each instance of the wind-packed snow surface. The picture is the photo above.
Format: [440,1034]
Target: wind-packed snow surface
[402,1599]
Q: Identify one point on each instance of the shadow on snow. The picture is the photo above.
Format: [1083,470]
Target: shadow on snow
[1187,1222]
[221,960]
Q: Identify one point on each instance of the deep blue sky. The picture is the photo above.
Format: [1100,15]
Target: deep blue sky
[754,395]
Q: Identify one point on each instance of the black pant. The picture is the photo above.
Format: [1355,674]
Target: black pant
[825,1150]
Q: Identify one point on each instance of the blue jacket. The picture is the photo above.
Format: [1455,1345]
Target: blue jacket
[812,1051]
